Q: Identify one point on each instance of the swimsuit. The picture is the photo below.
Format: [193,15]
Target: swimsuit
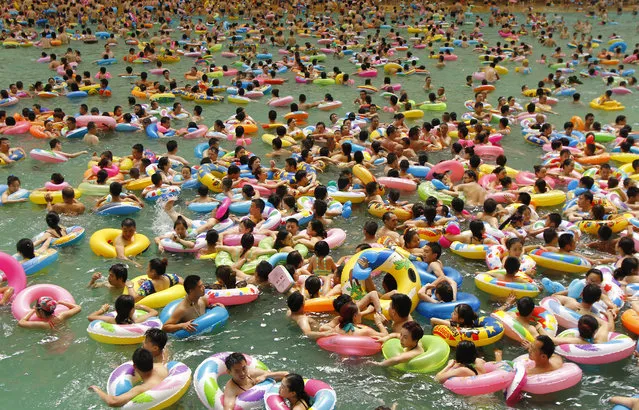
[147,288]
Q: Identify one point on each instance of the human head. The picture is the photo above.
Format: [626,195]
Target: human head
[587,326]
[295,301]
[410,334]
[591,294]
[142,360]
[157,267]
[400,305]
[193,286]
[45,307]
[237,366]
[124,309]
[292,388]
[466,353]
[541,350]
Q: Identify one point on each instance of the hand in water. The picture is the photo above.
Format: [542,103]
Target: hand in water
[189,326]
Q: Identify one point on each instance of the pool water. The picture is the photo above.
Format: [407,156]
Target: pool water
[43,370]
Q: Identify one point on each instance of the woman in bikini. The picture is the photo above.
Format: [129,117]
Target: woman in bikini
[54,230]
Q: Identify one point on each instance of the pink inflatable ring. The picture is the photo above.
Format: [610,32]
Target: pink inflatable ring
[22,302]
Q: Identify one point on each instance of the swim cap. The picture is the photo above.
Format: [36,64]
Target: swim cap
[46,304]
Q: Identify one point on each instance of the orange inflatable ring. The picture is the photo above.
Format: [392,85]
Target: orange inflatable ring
[37,131]
[594,159]
[488,88]
[578,123]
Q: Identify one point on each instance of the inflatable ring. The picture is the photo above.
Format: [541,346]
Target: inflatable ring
[231,297]
[211,394]
[41,261]
[435,355]
[567,318]
[138,184]
[488,331]
[617,224]
[22,302]
[630,320]
[74,234]
[37,197]
[469,251]
[495,287]
[568,375]
[101,243]
[498,252]
[560,262]
[498,377]
[361,266]
[618,347]
[13,273]
[456,170]
[350,345]
[550,198]
[443,310]
[165,394]
[213,319]
[158,299]
[207,179]
[114,334]
[363,174]
[517,332]
[378,210]
[322,396]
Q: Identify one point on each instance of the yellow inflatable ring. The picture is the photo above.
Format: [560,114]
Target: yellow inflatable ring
[363,174]
[363,264]
[157,299]
[101,243]
[37,197]
[488,331]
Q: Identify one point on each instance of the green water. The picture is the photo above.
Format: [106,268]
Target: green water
[42,370]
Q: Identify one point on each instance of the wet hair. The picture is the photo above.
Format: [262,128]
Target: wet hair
[477,228]
[156,337]
[190,282]
[225,274]
[120,271]
[401,304]
[547,345]
[263,269]
[347,313]
[415,329]
[341,300]
[587,326]
[322,249]
[591,294]
[312,284]
[627,245]
[53,222]
[597,272]
[25,248]
[525,306]
[294,258]
[142,360]
[466,353]
[233,359]
[511,265]
[444,292]
[466,314]
[295,384]
[123,306]
[158,265]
